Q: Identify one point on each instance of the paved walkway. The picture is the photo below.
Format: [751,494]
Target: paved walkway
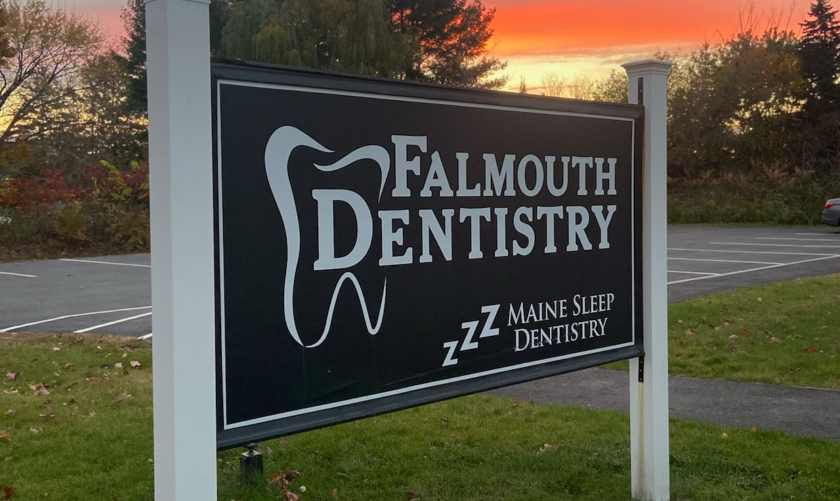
[798,411]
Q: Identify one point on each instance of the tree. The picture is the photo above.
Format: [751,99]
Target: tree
[452,37]
[352,36]
[612,89]
[5,48]
[553,84]
[134,45]
[819,54]
[39,83]
[761,87]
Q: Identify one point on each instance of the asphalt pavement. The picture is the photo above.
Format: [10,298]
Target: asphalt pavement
[112,294]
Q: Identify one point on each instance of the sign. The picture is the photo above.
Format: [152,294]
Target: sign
[383,244]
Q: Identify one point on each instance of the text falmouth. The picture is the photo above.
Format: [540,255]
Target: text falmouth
[529,175]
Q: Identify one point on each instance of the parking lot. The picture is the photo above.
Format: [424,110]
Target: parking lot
[113,294]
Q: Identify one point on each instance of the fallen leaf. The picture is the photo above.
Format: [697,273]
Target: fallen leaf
[291,496]
[547,448]
[12,376]
[774,339]
[39,389]
[411,495]
[688,332]
[759,300]
[711,326]
[56,348]
[48,403]
[122,397]
[8,492]
[724,435]
[682,344]
[5,435]
[334,493]
[35,430]
[278,479]
[745,332]
[118,365]
[810,349]
[10,412]
[134,363]
[49,417]
[752,429]
[733,336]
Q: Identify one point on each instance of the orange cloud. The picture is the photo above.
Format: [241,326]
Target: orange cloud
[588,27]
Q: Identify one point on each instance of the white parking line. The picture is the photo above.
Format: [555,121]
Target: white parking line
[106,262]
[694,273]
[779,245]
[720,260]
[147,336]
[7,329]
[817,234]
[115,322]
[799,239]
[755,269]
[752,252]
[17,274]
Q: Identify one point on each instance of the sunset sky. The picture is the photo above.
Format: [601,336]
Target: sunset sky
[579,36]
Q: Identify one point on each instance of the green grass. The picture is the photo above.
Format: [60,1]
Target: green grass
[86,445]
[785,333]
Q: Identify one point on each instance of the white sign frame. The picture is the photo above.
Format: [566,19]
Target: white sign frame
[180,154]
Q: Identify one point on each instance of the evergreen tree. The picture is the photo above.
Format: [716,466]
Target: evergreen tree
[452,38]
[819,55]
[134,46]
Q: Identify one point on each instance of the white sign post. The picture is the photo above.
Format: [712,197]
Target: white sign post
[649,438]
[181,161]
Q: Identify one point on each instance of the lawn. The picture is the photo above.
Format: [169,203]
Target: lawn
[80,428]
[786,333]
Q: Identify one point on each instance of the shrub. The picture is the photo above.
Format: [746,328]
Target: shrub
[108,210]
[771,194]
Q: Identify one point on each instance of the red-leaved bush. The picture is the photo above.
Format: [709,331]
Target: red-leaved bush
[38,194]
[108,206]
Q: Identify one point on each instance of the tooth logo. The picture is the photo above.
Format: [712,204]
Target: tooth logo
[277,153]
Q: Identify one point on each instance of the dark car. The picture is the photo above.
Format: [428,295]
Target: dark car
[831,214]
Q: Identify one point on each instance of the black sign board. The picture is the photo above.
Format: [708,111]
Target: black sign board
[383,244]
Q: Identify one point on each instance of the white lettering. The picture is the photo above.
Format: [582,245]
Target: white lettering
[326,229]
